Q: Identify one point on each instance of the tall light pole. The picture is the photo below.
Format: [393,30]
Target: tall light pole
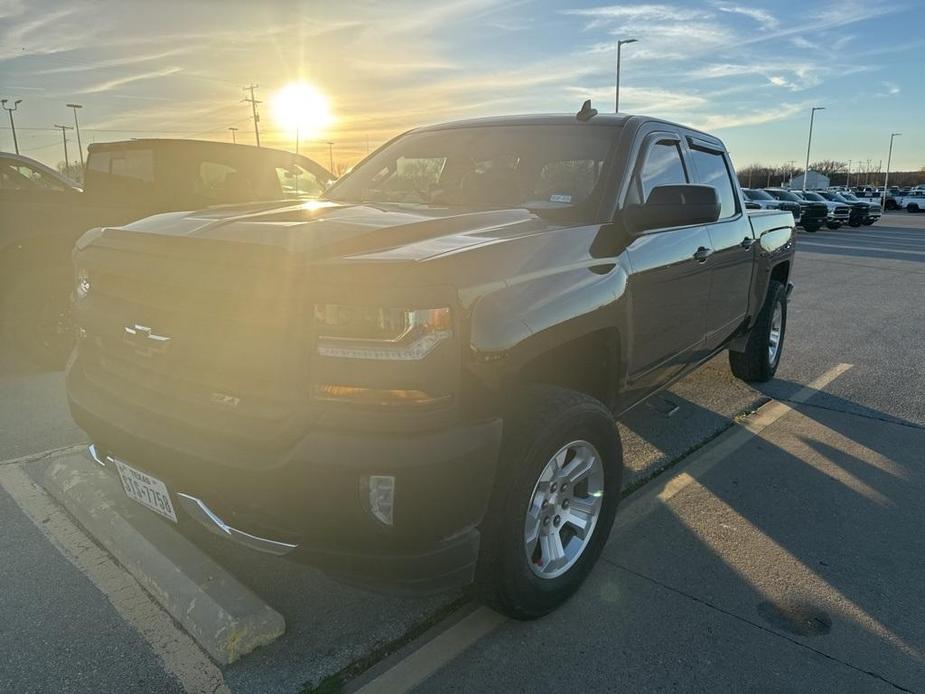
[253,102]
[10,109]
[619,48]
[80,146]
[848,175]
[234,140]
[809,144]
[886,179]
[67,163]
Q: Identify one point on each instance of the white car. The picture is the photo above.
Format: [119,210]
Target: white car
[913,201]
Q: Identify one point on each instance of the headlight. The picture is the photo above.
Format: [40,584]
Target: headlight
[82,283]
[371,332]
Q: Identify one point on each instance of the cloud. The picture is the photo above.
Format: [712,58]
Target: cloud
[128,79]
[763,17]
[753,117]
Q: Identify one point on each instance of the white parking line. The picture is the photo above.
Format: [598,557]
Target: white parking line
[434,654]
[181,656]
[882,249]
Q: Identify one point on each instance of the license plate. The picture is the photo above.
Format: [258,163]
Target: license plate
[146,490]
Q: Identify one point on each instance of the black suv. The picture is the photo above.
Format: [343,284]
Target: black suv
[812,214]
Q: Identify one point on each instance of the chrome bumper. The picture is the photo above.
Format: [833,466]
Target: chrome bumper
[197,509]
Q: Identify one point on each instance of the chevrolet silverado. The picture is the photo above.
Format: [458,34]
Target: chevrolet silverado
[414,381]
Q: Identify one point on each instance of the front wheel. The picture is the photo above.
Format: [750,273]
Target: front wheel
[811,228]
[559,482]
[868,222]
[855,224]
[913,208]
[833,225]
[759,361]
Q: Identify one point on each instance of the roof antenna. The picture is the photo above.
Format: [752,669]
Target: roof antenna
[586,113]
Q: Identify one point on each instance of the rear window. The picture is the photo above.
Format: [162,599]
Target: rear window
[752,194]
[712,171]
[134,164]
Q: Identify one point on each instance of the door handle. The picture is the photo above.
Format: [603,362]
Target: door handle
[747,242]
[702,253]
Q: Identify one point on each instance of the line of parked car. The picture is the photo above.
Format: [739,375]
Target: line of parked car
[911,199]
[814,209]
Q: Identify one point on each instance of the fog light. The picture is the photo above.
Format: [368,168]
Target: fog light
[376,397]
[380,493]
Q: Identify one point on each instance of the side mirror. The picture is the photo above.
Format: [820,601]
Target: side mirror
[674,206]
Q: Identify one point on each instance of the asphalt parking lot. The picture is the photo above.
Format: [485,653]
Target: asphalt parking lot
[772,540]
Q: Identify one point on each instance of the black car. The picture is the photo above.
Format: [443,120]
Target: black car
[812,214]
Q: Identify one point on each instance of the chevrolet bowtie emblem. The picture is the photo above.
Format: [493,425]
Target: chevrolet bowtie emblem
[144,341]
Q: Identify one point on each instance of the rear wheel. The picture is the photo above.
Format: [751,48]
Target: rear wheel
[913,208]
[558,487]
[765,342]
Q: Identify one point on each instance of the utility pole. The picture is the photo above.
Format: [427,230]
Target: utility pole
[10,109]
[809,144]
[253,102]
[867,174]
[234,140]
[67,163]
[619,48]
[886,178]
[80,146]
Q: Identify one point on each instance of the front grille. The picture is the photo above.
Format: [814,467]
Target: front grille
[842,210]
[226,348]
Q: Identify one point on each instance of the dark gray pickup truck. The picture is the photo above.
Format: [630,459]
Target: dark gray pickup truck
[414,381]
[41,218]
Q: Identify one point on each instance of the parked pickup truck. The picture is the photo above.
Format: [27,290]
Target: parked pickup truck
[40,219]
[838,212]
[812,214]
[913,201]
[861,211]
[413,382]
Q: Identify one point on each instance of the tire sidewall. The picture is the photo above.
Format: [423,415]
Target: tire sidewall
[537,596]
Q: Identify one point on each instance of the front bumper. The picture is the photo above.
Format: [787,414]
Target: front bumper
[307,502]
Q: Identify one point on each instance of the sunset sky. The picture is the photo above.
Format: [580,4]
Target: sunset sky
[748,72]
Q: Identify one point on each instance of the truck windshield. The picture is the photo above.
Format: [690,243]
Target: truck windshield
[754,194]
[540,167]
[813,196]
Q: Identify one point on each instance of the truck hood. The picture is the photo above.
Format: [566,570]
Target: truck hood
[325,229]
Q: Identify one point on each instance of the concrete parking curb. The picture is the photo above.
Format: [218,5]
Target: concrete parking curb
[226,618]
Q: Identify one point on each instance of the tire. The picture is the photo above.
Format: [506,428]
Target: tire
[756,364]
[912,208]
[811,228]
[833,225]
[544,423]
[855,224]
[36,317]
[869,222]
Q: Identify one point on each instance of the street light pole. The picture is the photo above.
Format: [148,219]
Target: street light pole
[809,144]
[67,163]
[848,175]
[619,49]
[10,109]
[886,179]
[80,146]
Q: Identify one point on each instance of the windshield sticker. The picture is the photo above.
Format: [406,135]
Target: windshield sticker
[560,197]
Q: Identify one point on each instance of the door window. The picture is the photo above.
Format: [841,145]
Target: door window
[712,171]
[663,167]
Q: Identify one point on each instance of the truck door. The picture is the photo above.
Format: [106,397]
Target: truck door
[731,238]
[670,283]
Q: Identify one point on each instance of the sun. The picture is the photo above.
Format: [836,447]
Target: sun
[300,107]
